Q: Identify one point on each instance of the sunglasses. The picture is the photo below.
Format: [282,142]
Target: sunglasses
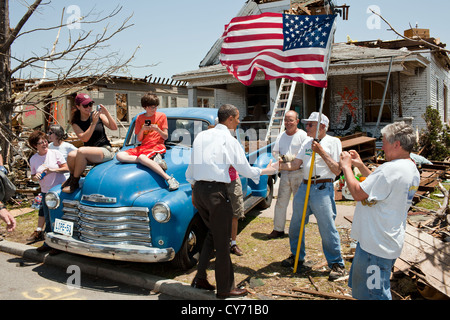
[89,105]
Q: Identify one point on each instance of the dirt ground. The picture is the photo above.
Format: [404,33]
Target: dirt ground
[259,269]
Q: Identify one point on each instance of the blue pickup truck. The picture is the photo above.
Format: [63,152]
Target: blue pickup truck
[126,212]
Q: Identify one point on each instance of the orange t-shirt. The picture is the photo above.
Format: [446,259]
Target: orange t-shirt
[152,137]
[152,142]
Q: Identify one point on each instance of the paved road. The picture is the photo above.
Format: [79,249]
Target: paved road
[25,276]
[24,279]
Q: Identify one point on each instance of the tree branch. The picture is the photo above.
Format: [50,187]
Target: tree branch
[14,32]
[419,40]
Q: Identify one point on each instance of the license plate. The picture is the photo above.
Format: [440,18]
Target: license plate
[63,227]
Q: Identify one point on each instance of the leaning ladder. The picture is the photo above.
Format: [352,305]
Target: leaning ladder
[282,105]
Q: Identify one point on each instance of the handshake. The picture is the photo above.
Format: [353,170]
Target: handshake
[286,158]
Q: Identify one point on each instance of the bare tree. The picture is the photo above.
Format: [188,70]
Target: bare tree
[417,39]
[81,57]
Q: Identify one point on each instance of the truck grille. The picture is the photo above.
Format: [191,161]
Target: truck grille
[112,226]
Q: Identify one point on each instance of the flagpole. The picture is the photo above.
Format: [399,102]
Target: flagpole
[313,158]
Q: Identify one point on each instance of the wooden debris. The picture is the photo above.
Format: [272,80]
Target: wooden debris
[323,294]
[428,256]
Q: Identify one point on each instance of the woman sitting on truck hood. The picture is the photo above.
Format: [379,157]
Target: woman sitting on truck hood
[89,126]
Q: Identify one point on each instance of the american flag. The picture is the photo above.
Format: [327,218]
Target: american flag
[281,45]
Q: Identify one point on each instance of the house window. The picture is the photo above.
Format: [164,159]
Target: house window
[373,90]
[445,103]
[122,107]
[203,102]
[437,94]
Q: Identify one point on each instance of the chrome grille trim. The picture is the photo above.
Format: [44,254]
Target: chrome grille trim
[112,226]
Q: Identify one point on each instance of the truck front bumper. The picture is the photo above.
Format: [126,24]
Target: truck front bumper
[131,253]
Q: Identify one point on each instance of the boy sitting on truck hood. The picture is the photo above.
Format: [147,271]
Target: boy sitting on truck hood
[150,129]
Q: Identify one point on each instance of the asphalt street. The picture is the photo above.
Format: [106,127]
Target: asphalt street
[24,279]
[28,274]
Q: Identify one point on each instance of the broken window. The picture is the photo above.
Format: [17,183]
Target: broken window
[122,107]
[373,90]
[203,102]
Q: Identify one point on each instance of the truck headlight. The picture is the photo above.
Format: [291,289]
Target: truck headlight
[161,212]
[52,200]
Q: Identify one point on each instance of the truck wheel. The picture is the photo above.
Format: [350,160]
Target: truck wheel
[189,253]
[264,204]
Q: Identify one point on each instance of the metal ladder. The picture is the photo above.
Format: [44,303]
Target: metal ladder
[282,105]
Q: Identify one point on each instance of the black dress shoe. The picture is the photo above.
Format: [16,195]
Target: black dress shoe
[275,234]
[202,284]
[236,292]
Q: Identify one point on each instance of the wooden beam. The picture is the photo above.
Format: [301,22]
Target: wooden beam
[323,294]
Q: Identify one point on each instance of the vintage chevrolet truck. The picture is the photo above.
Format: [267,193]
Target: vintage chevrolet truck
[126,212]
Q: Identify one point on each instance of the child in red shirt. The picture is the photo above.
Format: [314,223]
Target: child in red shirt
[151,130]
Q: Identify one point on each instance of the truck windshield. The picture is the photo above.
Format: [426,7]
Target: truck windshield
[181,131]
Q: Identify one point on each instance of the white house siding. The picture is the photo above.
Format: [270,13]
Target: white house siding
[234,94]
[414,95]
[337,86]
[439,78]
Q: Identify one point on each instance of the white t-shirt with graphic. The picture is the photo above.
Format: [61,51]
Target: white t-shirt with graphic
[379,222]
[331,145]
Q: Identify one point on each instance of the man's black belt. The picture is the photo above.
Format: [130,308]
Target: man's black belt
[318,181]
[210,182]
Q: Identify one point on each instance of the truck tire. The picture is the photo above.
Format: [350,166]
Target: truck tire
[189,253]
[267,201]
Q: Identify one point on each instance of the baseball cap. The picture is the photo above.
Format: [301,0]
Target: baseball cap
[315,117]
[83,99]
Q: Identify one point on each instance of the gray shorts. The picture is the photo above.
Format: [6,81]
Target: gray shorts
[236,197]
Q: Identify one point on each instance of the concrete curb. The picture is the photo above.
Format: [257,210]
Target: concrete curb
[100,269]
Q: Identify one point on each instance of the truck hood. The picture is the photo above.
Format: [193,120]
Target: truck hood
[127,181]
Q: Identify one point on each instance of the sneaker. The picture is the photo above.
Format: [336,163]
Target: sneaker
[289,262]
[302,266]
[173,183]
[36,236]
[159,160]
[337,271]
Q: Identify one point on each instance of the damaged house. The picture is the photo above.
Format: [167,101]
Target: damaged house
[52,102]
[418,77]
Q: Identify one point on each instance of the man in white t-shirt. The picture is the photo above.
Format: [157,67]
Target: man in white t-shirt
[286,147]
[383,200]
[321,197]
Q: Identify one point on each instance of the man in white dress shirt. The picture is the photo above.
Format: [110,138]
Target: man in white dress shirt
[213,151]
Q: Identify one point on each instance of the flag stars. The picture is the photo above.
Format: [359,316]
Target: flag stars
[306,31]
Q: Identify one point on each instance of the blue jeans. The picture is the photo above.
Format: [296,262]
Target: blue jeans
[321,204]
[370,276]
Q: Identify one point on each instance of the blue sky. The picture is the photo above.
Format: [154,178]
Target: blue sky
[177,34]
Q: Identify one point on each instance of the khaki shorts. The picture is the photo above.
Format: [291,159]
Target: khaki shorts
[108,153]
[236,197]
